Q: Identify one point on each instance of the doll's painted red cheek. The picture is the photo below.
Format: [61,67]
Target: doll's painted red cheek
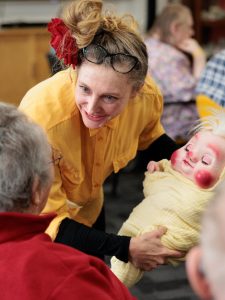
[204,179]
[174,157]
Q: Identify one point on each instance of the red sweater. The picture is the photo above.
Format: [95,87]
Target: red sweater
[33,267]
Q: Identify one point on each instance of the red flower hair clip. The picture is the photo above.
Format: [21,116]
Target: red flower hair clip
[62,41]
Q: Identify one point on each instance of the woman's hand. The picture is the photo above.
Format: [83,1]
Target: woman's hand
[146,251]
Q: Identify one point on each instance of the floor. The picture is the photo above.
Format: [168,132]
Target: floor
[164,283]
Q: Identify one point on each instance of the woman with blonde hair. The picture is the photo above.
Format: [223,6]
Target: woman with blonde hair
[98,113]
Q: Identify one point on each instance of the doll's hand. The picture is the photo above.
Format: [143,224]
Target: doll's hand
[153,166]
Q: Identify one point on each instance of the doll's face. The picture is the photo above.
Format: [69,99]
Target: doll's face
[202,159]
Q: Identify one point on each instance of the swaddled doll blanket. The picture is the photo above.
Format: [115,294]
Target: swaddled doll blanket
[170,200]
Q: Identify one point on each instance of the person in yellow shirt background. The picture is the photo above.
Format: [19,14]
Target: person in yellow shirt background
[176,62]
[97,114]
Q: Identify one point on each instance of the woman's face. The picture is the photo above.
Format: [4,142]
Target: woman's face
[101,93]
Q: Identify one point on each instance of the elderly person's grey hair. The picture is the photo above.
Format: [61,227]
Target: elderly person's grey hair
[213,243]
[24,155]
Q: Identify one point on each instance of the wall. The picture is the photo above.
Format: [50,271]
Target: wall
[138,8]
[42,11]
[12,12]
[23,51]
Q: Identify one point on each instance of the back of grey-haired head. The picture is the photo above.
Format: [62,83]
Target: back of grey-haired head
[24,155]
[213,242]
[215,122]
[170,13]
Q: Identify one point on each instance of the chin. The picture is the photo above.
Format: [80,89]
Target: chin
[90,124]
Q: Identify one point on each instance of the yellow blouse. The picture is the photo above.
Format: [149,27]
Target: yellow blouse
[89,156]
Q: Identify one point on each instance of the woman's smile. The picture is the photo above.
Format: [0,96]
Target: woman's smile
[94,117]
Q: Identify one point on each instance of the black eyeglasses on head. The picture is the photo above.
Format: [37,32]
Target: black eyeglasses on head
[120,62]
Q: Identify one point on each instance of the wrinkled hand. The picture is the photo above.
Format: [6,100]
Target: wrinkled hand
[147,252]
[192,47]
[152,166]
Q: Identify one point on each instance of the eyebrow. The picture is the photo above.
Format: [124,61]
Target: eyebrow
[213,148]
[196,136]
[108,93]
[193,139]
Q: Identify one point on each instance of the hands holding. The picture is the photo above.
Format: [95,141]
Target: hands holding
[147,252]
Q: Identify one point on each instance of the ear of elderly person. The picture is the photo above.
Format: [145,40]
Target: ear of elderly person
[32,266]
[97,114]
[206,262]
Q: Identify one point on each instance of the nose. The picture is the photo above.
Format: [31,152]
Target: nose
[192,156]
[92,105]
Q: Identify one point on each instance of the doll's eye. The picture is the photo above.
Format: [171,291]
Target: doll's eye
[206,160]
[188,147]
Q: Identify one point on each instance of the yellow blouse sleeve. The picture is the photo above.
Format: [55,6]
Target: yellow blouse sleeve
[57,202]
[152,100]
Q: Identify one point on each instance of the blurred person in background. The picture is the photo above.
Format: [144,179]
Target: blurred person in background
[210,90]
[176,61]
[206,263]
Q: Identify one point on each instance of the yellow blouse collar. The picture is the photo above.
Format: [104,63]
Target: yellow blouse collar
[112,124]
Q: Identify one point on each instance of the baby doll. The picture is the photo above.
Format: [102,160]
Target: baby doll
[176,192]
